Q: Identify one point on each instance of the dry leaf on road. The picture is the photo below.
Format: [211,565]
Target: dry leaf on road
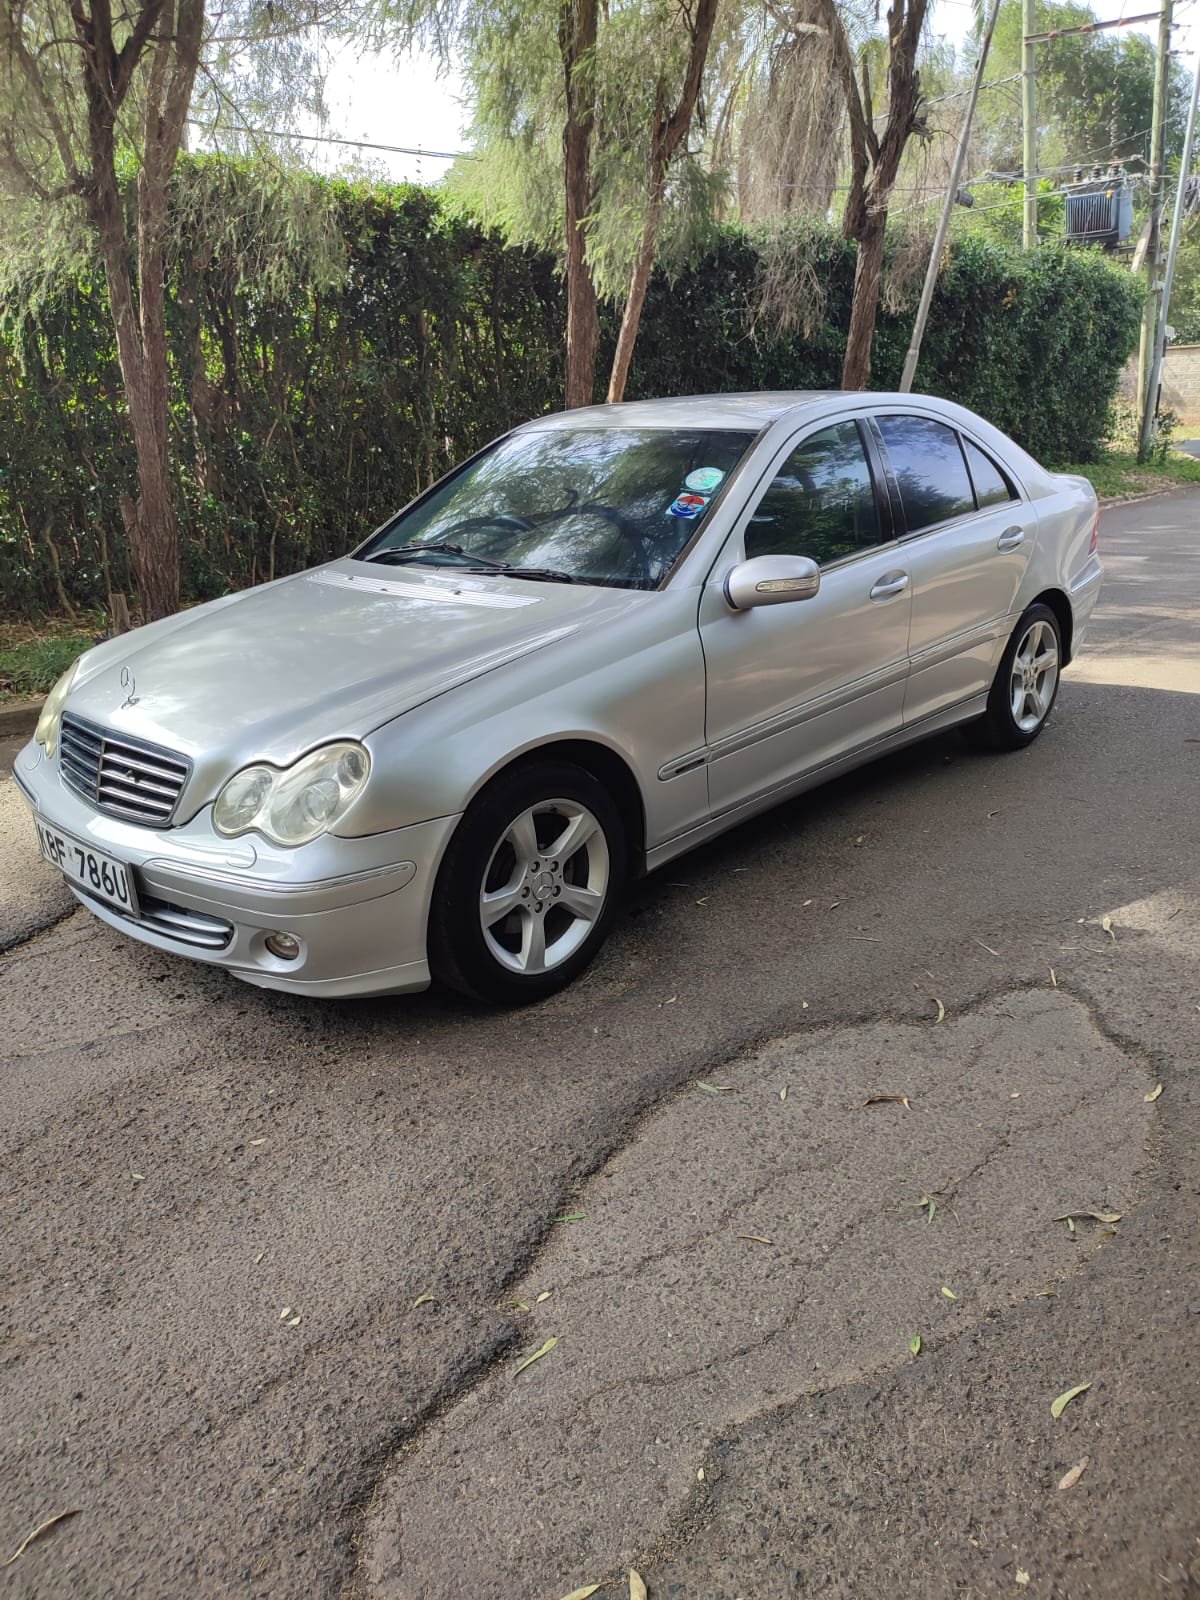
[1022,1578]
[756,1238]
[582,1594]
[714,1088]
[949,1294]
[1154,1093]
[1098,1216]
[423,1300]
[1057,1407]
[1106,924]
[914,1345]
[1070,1479]
[888,1100]
[42,1527]
[637,1589]
[537,1356]
[941,1010]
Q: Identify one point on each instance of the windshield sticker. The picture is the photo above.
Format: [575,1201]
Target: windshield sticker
[705,480]
[687,505]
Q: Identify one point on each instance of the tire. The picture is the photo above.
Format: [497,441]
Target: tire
[1022,696]
[513,920]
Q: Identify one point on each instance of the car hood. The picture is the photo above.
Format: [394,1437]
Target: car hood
[333,652]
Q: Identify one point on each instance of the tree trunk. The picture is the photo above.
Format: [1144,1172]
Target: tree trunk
[577,42]
[639,282]
[856,369]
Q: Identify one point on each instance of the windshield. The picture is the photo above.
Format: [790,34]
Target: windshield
[588,505]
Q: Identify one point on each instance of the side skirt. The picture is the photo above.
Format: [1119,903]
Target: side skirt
[949,717]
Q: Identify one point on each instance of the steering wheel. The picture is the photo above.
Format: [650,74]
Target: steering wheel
[500,520]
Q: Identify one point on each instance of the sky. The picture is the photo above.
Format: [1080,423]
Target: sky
[408,102]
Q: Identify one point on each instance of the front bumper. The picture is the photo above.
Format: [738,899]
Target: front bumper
[360,907]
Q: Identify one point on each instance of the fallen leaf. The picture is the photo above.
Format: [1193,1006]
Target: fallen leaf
[783,1092]
[949,1293]
[671,1001]
[714,1088]
[1015,1095]
[286,1312]
[1022,1577]
[571,1216]
[423,1300]
[138,1177]
[42,1527]
[1154,1093]
[517,1305]
[888,1100]
[941,1009]
[806,903]
[293,1322]
[705,900]
[804,1006]
[582,1594]
[545,1295]
[259,1257]
[1057,1407]
[987,947]
[756,1238]
[637,1588]
[1070,1224]
[255,1142]
[537,1356]
[700,1475]
[914,1345]
[1070,1479]
[1106,924]
[834,906]
[1053,979]
[1098,1216]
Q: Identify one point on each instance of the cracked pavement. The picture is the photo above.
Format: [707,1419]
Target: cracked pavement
[184,1157]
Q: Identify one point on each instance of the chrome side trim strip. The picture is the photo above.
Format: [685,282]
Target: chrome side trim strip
[786,720]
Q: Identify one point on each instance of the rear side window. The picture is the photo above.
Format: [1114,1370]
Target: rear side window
[992,488]
[929,466]
[821,504]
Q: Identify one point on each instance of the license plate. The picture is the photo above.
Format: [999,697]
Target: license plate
[91,870]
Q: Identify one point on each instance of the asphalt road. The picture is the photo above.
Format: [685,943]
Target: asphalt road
[733,1404]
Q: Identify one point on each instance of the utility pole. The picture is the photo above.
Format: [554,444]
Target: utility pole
[1029,124]
[1150,309]
[939,243]
[1150,406]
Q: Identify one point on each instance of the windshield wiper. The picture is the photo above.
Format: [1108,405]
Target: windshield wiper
[401,552]
[511,569]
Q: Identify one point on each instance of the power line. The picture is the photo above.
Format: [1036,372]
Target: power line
[329,138]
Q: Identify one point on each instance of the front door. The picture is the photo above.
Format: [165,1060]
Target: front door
[793,687]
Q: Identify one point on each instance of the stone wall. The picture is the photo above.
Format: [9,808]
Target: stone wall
[1181,381]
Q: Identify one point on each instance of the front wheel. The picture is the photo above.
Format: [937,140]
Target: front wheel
[528,886]
[1026,683]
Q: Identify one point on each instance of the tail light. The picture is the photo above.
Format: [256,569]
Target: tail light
[1094,541]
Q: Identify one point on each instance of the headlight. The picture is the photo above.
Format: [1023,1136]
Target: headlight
[46,732]
[298,804]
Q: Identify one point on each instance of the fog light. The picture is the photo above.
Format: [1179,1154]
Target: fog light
[284,945]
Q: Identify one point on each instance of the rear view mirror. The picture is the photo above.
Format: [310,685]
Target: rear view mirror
[771,581]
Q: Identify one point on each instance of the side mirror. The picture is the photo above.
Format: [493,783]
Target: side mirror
[771,581]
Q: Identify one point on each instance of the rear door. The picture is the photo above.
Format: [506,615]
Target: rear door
[966,539]
[792,687]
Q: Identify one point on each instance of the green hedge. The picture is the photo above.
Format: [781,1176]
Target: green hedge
[302,416]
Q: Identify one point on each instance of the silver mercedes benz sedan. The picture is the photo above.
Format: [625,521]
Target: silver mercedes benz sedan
[608,636]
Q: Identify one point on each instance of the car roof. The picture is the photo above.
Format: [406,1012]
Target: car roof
[688,411]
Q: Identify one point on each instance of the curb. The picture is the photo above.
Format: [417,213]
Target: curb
[19,718]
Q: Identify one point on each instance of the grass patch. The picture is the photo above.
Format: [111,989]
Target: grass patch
[31,663]
[1117,473]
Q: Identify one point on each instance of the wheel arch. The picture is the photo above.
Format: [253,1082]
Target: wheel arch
[1061,607]
[609,768]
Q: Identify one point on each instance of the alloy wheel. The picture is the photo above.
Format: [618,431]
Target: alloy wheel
[545,885]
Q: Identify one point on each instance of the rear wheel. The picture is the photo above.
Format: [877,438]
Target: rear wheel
[528,886]
[1025,686]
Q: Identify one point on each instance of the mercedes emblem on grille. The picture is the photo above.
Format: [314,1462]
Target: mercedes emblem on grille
[129,684]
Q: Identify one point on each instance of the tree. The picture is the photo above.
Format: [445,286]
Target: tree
[582,123]
[93,109]
[874,158]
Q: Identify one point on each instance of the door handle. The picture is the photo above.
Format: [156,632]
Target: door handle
[890,585]
[1010,539]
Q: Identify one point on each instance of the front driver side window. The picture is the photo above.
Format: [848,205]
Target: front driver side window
[821,504]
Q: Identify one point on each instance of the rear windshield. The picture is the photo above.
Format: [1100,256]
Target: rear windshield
[598,505]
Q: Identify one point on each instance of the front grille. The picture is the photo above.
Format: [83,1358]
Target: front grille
[125,777]
[173,922]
